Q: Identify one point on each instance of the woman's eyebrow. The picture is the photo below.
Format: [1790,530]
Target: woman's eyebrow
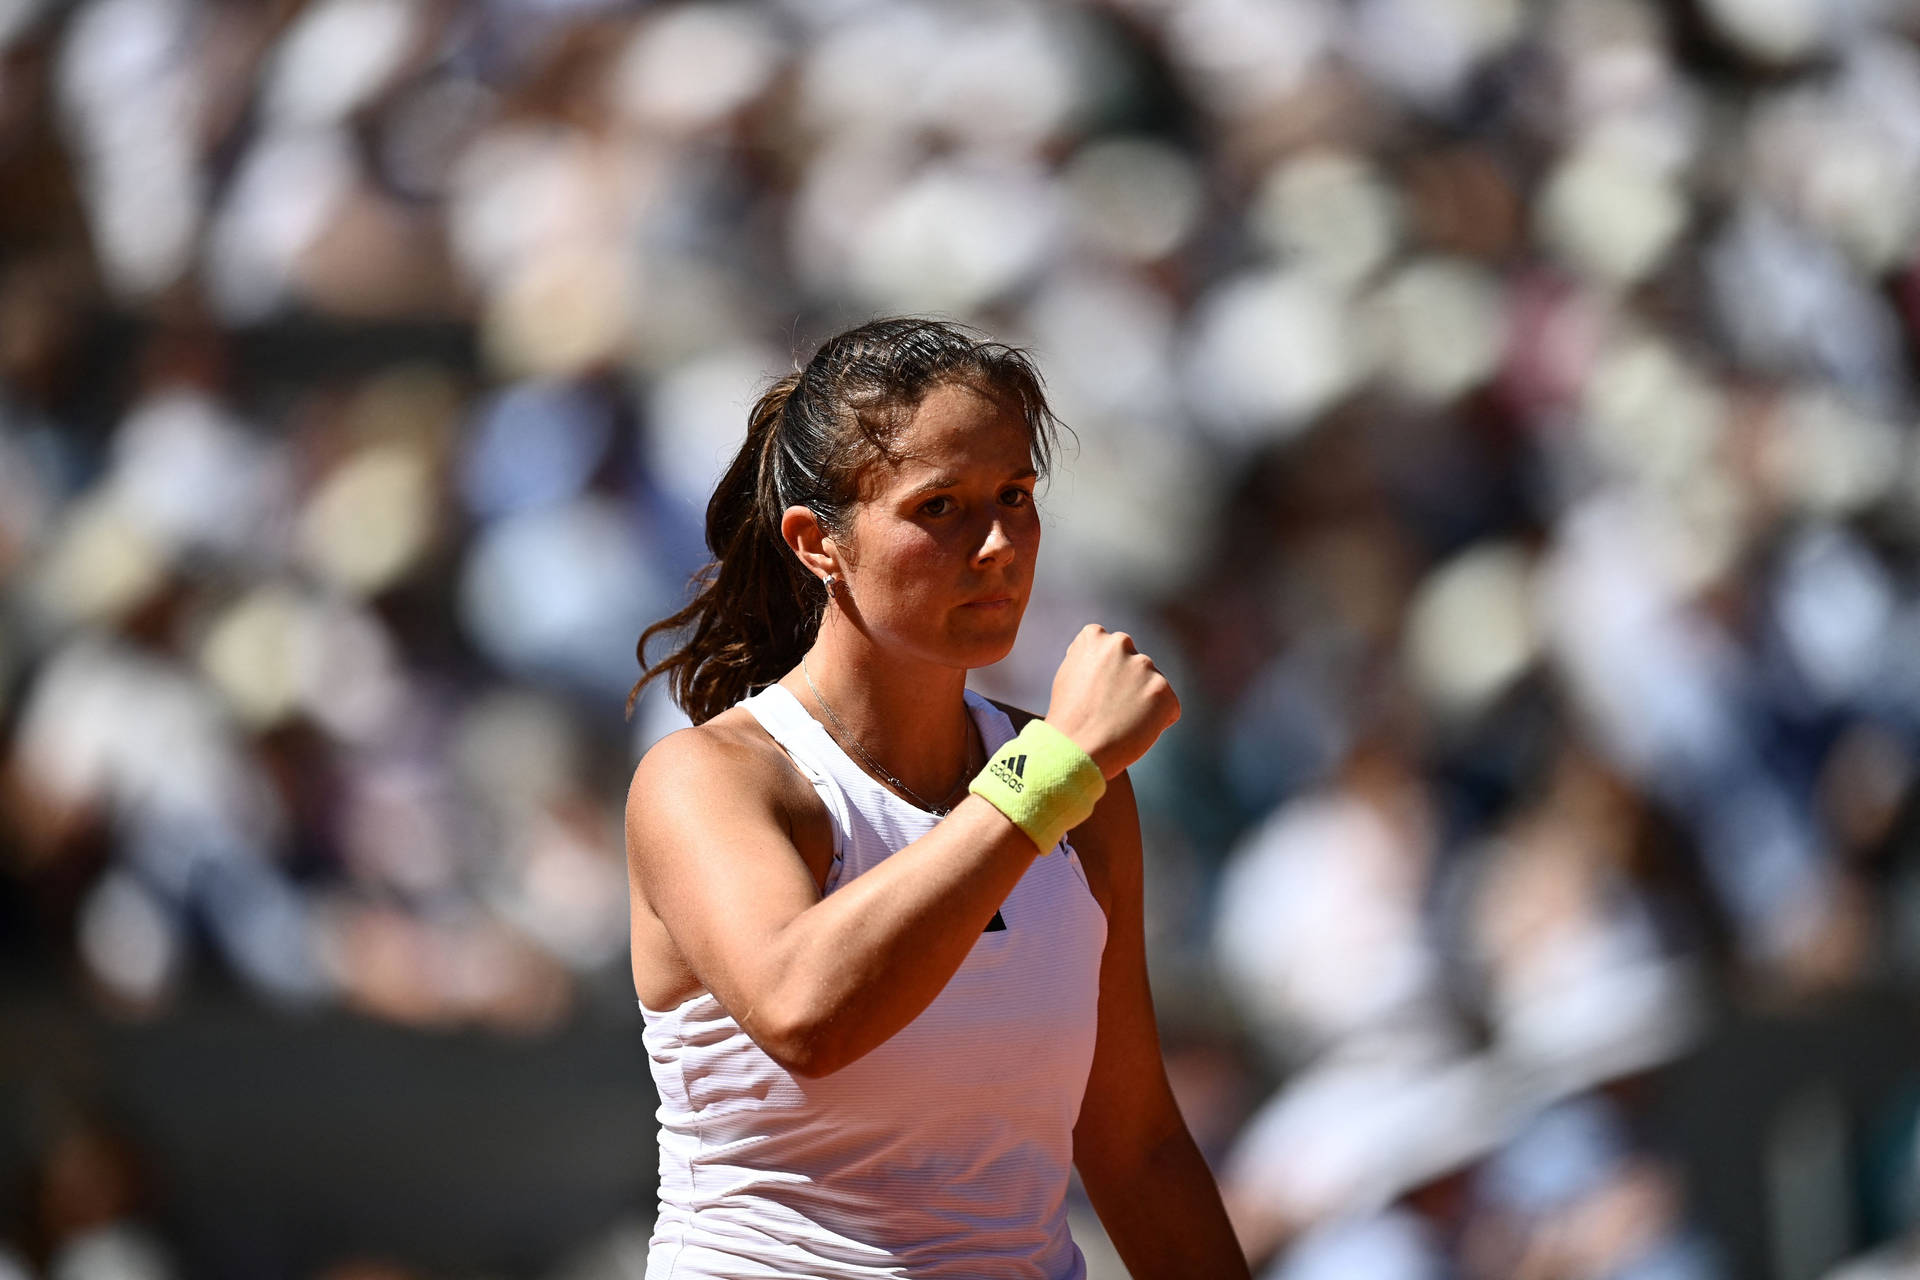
[948,482]
[928,486]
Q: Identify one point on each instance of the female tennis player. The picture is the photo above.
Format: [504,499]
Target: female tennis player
[887,934]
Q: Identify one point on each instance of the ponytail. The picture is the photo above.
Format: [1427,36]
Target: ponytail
[751,616]
[756,610]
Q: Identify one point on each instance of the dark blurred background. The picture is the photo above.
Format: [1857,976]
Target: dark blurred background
[1498,416]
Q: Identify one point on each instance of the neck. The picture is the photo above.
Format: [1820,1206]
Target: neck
[909,716]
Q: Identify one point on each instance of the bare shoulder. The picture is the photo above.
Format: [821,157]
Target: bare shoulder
[725,775]
[730,761]
[733,743]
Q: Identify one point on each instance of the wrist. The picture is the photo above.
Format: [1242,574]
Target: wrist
[1043,781]
[1083,739]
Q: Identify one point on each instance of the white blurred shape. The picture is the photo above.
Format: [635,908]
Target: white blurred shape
[117,1251]
[126,83]
[1106,340]
[104,724]
[1442,328]
[1242,56]
[1268,351]
[956,237]
[1426,49]
[567,892]
[1649,674]
[351,679]
[697,418]
[192,474]
[102,562]
[288,189]
[1129,506]
[1834,603]
[515,750]
[398,826]
[566,310]
[1828,455]
[540,218]
[1843,153]
[1774,30]
[996,74]
[1578,989]
[1470,631]
[275,651]
[1791,303]
[1351,1133]
[1134,197]
[371,519]
[562,590]
[1330,211]
[144,206]
[336,56]
[691,67]
[113,46]
[1318,933]
[130,943]
[1394,1245]
[16,16]
[1609,215]
[516,187]
[868,74]
[1004,77]
[252,654]
[1649,415]
[839,191]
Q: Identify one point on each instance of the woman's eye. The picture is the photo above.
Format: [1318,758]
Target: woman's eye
[937,506]
[1017,497]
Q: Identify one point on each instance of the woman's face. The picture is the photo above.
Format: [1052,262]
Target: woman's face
[940,559]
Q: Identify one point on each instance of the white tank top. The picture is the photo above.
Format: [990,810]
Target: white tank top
[942,1153]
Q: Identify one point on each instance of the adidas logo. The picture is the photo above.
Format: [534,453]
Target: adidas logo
[1011,771]
[1019,765]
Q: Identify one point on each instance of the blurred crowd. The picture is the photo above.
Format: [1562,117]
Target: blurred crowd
[1498,416]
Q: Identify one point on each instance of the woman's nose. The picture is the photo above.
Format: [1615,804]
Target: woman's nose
[996,546]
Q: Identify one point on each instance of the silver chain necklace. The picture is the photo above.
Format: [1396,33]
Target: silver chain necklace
[966,748]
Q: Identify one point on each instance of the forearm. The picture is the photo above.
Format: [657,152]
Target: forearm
[857,966]
[1164,1214]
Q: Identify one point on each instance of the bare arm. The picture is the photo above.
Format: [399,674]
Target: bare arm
[1146,1178]
[816,982]
[819,982]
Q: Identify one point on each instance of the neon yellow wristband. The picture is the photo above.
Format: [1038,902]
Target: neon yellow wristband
[1043,781]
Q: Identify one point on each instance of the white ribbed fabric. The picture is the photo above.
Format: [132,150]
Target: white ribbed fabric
[942,1153]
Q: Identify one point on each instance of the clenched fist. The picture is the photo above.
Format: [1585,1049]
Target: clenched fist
[1110,698]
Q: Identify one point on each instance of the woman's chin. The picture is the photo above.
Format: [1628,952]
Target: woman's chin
[985,649]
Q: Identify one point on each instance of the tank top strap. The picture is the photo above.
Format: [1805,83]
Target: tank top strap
[813,752]
[805,739]
[855,800]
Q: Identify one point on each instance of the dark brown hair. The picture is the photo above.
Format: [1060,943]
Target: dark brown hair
[809,437]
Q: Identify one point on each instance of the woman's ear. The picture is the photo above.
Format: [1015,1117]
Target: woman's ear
[809,540]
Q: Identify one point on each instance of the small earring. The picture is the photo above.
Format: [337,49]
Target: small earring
[831,580]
